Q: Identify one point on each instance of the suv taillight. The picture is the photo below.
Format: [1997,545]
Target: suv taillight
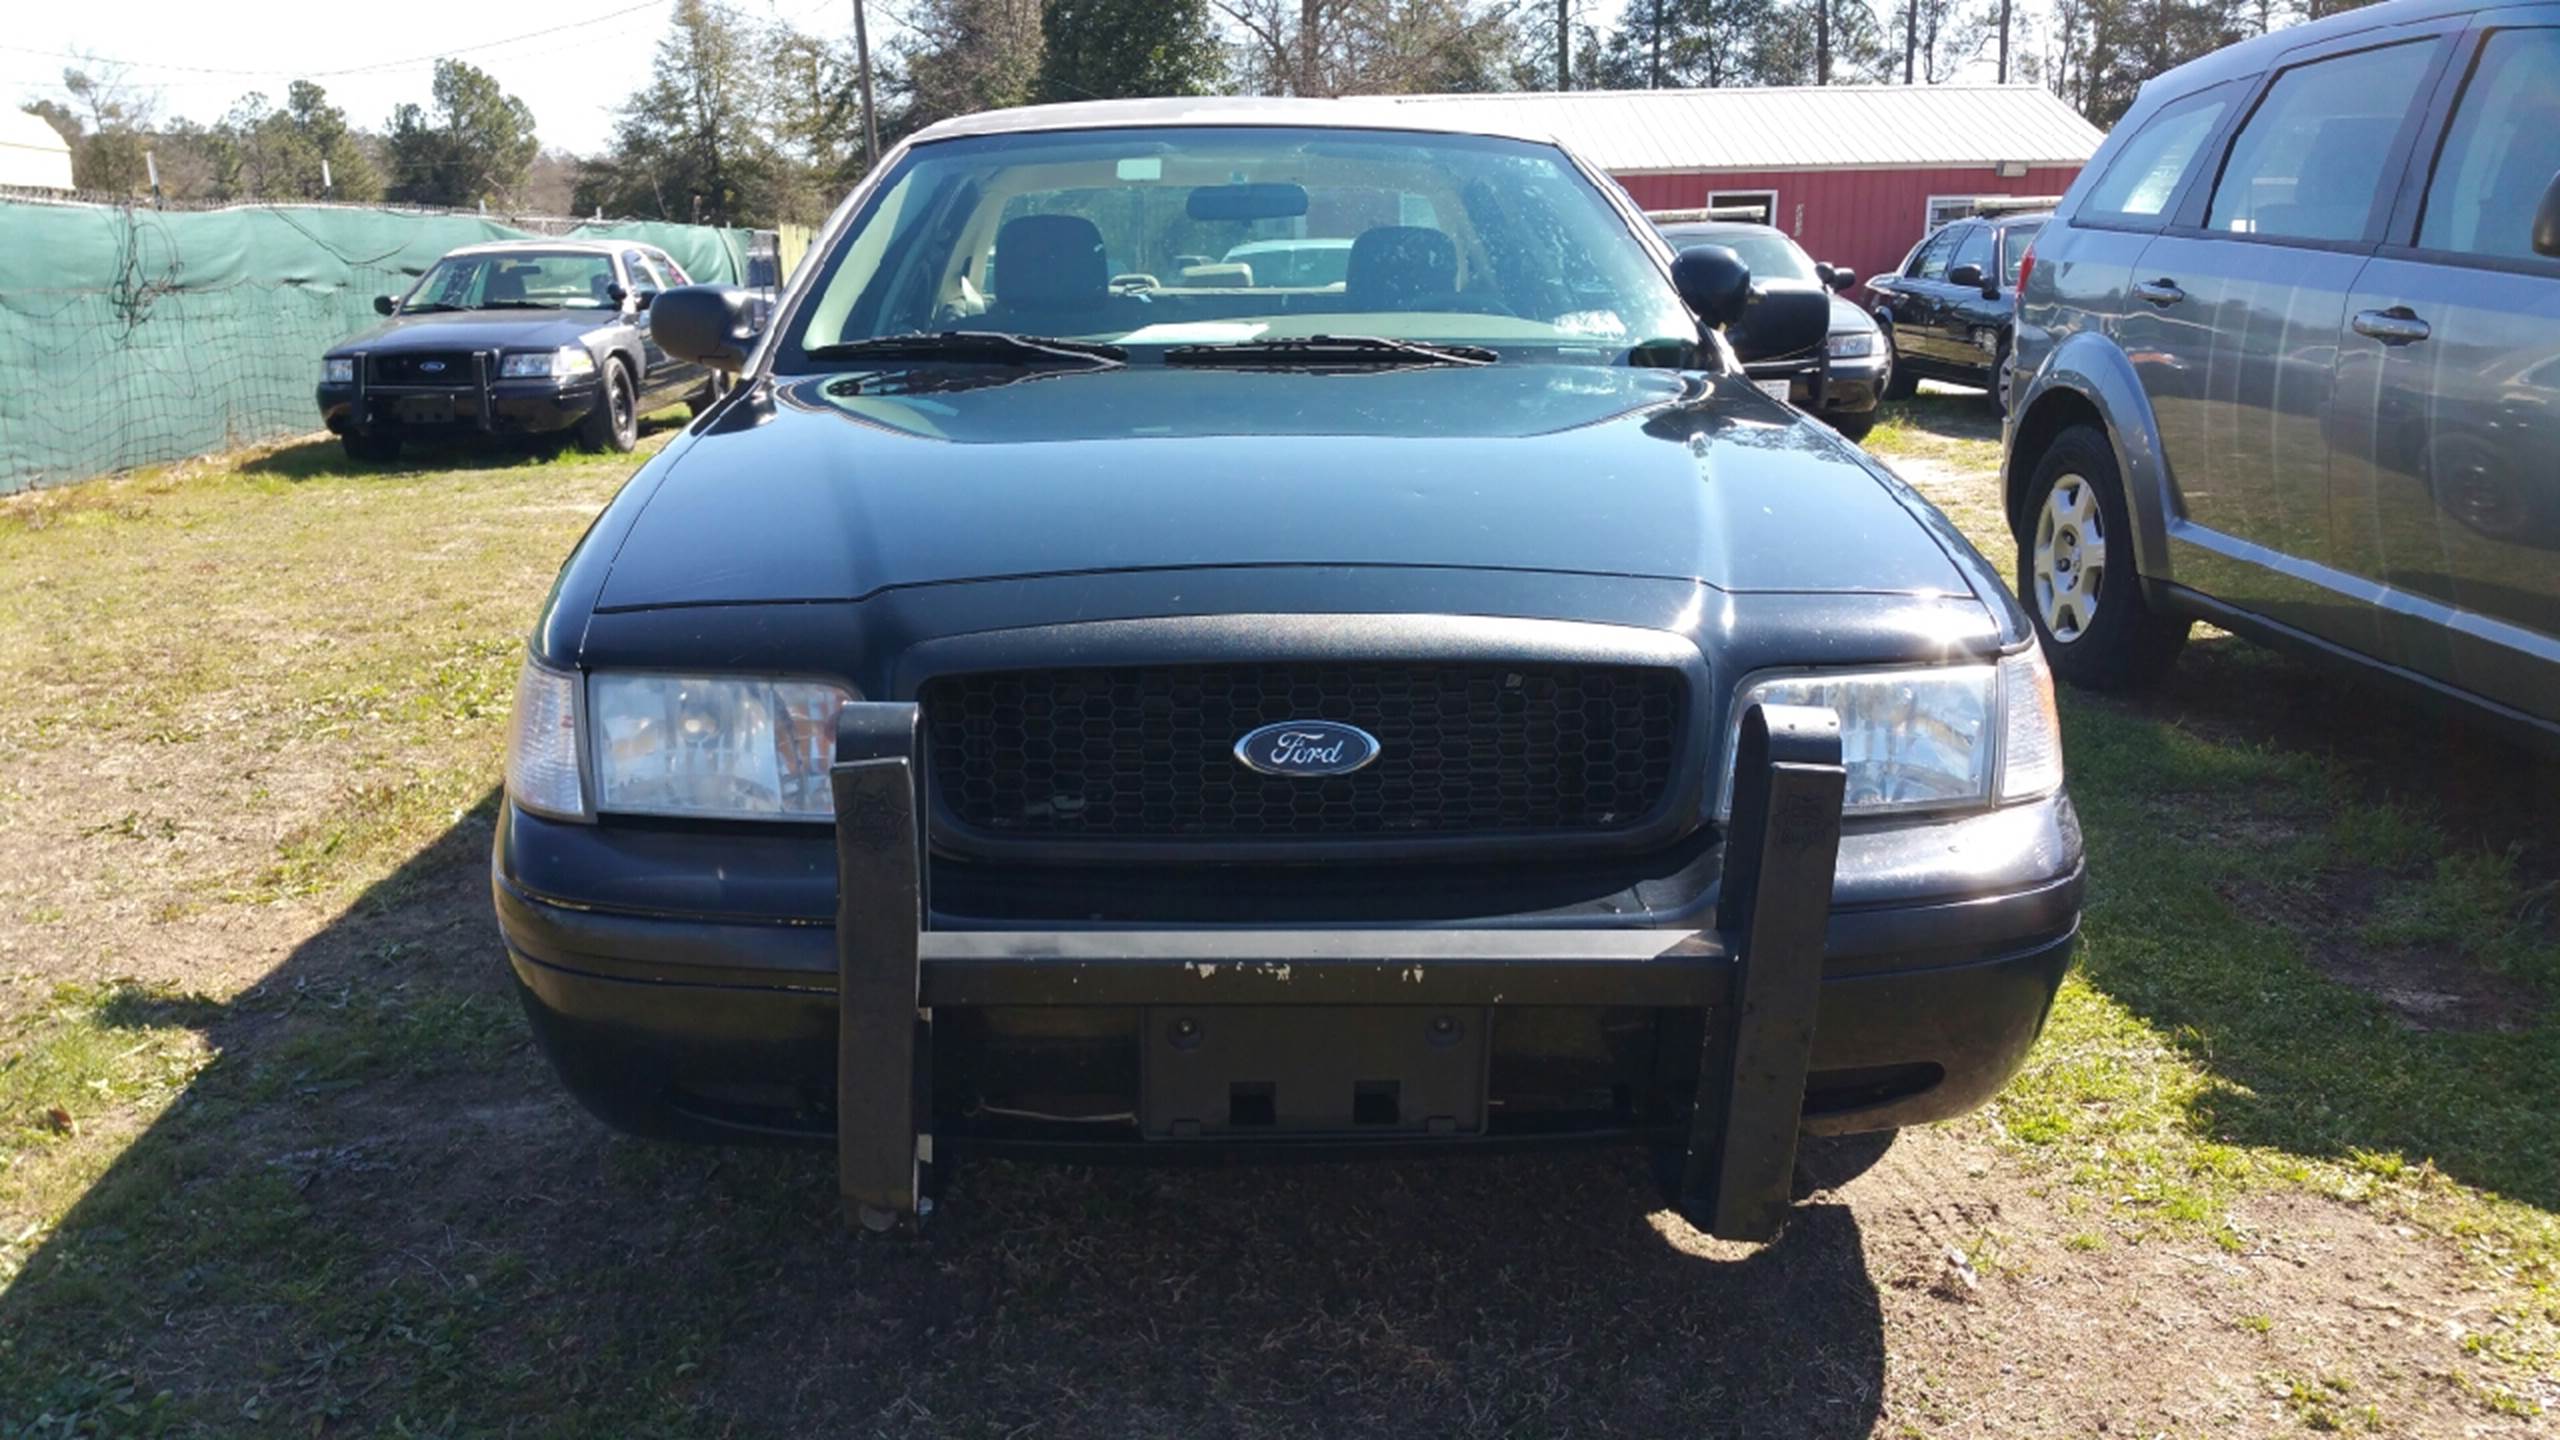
[2026,272]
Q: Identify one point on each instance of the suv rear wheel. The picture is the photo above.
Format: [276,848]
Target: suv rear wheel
[2076,571]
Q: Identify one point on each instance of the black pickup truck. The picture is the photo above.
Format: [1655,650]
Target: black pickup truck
[1058,705]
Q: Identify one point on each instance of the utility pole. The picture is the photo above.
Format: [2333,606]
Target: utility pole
[2004,42]
[862,62]
[1564,44]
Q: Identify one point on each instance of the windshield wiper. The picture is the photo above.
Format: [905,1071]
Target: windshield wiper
[988,347]
[423,306]
[519,305]
[1330,350]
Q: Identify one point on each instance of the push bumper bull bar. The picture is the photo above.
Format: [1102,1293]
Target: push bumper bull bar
[1756,974]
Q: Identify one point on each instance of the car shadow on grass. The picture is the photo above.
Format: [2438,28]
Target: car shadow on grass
[324,456]
[374,1210]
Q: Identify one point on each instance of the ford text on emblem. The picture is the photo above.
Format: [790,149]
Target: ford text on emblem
[432,367]
[1307,748]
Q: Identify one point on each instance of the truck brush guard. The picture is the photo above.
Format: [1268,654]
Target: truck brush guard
[1756,975]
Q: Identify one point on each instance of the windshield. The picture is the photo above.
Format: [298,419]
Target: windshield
[565,279]
[1182,236]
[1770,254]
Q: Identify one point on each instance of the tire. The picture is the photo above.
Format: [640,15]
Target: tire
[1900,381]
[367,448]
[709,395]
[1853,426]
[614,425]
[2076,571]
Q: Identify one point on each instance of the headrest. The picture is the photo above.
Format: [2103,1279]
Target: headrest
[1393,266]
[1050,261]
[504,284]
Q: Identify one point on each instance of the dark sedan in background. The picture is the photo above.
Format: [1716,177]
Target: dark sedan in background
[1841,382]
[523,338]
[1947,314]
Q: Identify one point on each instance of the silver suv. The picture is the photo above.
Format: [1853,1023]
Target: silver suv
[2288,360]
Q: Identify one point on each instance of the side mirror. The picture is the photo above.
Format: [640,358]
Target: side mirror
[1843,279]
[1713,282]
[1967,275]
[2546,221]
[712,325]
[641,300]
[1781,321]
[384,304]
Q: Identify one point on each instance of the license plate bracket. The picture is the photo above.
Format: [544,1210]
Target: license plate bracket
[1299,1071]
[424,409]
[1775,389]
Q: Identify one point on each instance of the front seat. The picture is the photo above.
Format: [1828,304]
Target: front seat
[1051,277]
[1401,267]
[504,284]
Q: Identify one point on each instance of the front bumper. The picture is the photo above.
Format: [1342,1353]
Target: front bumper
[1855,384]
[907,1044]
[499,407]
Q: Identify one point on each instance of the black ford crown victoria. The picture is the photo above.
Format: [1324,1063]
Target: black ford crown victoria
[1059,705]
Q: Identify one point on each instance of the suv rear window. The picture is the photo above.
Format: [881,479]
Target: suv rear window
[2308,164]
[2144,175]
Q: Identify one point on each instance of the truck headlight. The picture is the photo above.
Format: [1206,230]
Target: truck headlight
[713,747]
[1850,344]
[542,744]
[336,370]
[558,364]
[1939,737]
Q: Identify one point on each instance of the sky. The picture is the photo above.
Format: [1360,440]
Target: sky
[588,57]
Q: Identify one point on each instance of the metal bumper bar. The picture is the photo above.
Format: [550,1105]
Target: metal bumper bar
[1757,974]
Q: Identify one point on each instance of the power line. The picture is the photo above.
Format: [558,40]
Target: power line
[366,69]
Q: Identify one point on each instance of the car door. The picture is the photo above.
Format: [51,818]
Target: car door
[658,368]
[2446,489]
[1911,305]
[2235,314]
[1963,322]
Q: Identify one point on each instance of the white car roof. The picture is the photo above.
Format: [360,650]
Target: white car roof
[1358,114]
[576,247]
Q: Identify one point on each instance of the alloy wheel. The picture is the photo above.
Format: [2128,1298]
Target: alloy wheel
[2070,558]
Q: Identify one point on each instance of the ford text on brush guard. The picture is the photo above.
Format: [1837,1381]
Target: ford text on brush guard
[1080,696]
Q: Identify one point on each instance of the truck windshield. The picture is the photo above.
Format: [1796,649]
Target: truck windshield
[1202,236]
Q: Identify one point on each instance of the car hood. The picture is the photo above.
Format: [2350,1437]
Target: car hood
[478,330]
[844,486]
[1848,317]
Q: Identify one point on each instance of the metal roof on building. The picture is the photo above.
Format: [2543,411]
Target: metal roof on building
[1633,132]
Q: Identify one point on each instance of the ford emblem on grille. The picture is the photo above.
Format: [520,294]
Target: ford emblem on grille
[432,367]
[1307,749]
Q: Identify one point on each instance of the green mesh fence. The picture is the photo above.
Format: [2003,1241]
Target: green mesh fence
[131,336]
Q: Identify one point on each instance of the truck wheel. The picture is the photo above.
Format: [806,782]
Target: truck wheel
[614,425]
[368,448]
[1852,426]
[709,395]
[2077,575]
[1900,381]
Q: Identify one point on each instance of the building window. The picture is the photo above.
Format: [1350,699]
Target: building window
[1731,205]
[1944,209]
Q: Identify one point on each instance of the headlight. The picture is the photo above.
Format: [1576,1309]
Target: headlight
[542,744]
[336,371]
[713,747]
[557,364]
[1940,737]
[1850,344]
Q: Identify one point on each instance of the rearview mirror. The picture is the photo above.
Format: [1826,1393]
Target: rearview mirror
[1713,282]
[1273,201]
[2546,221]
[712,325]
[1781,321]
[384,304]
[1970,275]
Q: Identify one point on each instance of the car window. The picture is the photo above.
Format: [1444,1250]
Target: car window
[1193,235]
[2501,152]
[1769,253]
[1929,262]
[1974,249]
[667,268]
[572,280]
[2015,242]
[2307,165]
[644,276]
[2146,172]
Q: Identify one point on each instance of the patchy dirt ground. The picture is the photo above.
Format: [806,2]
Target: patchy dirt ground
[275,1155]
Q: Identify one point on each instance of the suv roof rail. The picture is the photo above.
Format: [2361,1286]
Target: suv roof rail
[1753,213]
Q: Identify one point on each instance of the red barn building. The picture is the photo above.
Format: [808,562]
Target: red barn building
[1856,173]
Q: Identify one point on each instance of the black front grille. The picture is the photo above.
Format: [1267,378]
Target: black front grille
[456,368]
[1147,753]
